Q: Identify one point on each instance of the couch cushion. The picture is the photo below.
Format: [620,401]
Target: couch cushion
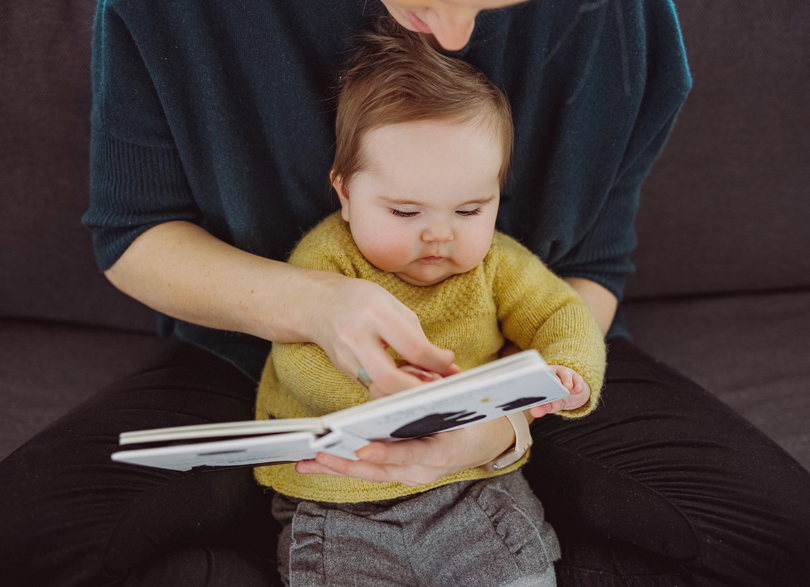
[47,268]
[727,206]
[752,351]
[48,369]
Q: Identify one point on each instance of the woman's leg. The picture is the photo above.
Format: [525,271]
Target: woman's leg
[69,516]
[665,485]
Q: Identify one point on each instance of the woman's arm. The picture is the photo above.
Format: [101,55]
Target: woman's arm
[181,270]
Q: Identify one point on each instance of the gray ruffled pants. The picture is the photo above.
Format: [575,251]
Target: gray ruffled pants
[474,533]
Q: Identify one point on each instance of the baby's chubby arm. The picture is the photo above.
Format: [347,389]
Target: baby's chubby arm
[303,382]
[537,309]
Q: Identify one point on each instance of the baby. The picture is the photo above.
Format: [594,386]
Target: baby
[423,149]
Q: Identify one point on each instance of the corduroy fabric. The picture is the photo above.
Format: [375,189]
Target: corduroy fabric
[510,293]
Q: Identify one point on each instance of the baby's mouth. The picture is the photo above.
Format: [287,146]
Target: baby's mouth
[431,259]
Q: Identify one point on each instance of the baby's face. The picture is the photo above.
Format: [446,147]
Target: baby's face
[425,206]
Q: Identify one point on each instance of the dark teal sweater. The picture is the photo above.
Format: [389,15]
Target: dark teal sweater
[222,114]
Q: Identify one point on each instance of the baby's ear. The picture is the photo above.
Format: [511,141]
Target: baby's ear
[343,194]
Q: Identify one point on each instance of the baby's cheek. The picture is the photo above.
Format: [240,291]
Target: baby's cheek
[386,253]
[472,251]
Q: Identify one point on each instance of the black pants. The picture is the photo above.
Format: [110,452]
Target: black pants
[663,485]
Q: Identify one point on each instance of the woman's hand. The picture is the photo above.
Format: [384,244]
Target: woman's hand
[579,390]
[183,271]
[359,320]
[419,461]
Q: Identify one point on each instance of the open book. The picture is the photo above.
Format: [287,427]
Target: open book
[513,383]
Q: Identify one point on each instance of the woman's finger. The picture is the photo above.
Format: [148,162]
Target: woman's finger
[404,334]
[386,378]
[422,460]
[451,451]
[364,320]
[326,464]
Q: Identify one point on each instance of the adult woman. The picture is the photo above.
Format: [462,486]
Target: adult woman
[211,144]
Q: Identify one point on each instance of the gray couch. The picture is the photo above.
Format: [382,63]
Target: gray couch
[722,290]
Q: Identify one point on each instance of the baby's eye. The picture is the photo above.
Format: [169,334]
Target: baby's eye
[475,212]
[403,214]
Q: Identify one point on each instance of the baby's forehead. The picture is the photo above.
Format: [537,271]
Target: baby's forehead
[431,142]
[422,133]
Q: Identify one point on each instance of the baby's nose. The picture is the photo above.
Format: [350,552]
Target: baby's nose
[438,232]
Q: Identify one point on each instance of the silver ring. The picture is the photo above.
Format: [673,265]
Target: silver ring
[363,378]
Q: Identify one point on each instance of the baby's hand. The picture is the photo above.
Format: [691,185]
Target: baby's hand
[422,375]
[579,390]
[428,376]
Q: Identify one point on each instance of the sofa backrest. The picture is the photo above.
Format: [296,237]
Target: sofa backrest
[47,269]
[725,209]
[727,206]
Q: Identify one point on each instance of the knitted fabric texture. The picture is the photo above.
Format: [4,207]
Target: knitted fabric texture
[510,294]
[222,114]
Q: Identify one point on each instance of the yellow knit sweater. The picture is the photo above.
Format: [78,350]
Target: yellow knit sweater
[509,294]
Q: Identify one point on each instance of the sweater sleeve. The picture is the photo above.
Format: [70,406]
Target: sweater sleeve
[603,255]
[659,74]
[538,310]
[137,178]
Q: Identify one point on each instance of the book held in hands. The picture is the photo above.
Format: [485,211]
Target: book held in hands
[517,382]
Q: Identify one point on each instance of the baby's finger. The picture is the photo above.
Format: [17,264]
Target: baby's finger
[421,374]
[557,405]
[572,402]
[313,467]
[326,464]
[540,411]
[549,408]
[567,380]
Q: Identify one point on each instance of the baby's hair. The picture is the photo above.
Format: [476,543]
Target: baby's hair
[396,76]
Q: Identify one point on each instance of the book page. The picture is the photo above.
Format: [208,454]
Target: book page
[223,429]
[516,383]
[227,453]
